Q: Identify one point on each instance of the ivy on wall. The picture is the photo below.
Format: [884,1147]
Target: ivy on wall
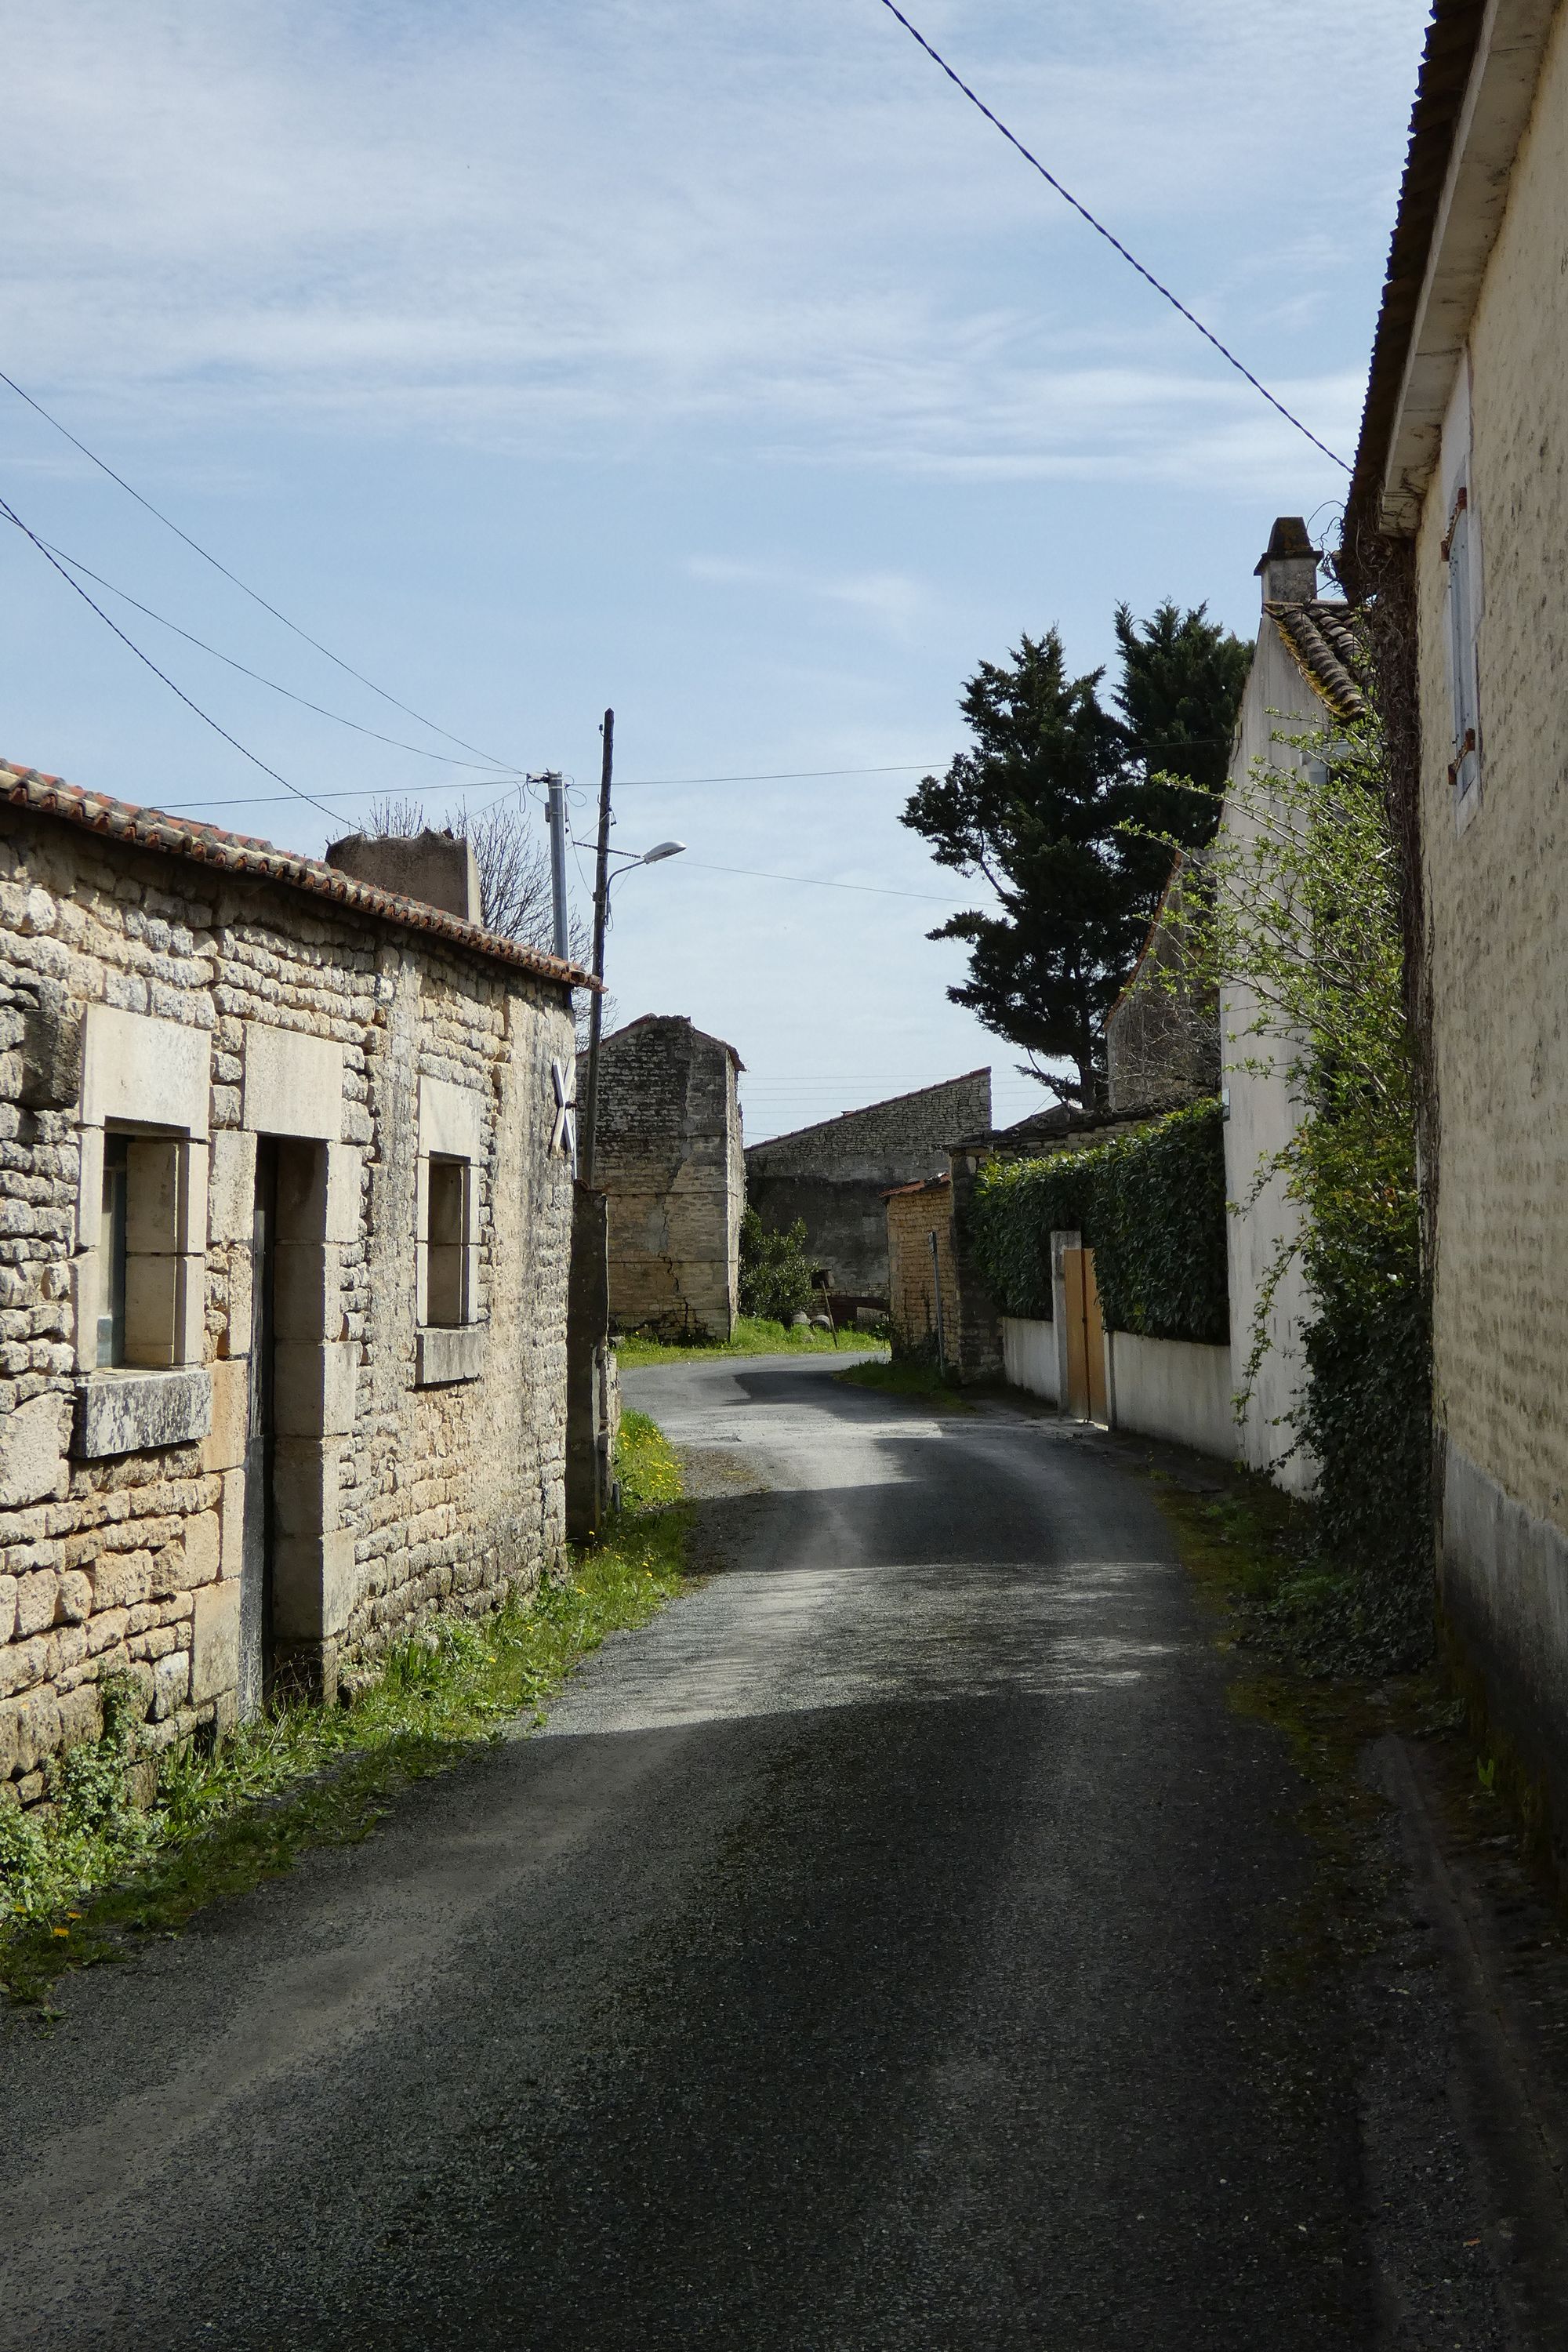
[1152,1207]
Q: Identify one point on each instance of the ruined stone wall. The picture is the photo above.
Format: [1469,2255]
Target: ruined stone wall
[668,1155]
[834,1175]
[912,1216]
[227,1008]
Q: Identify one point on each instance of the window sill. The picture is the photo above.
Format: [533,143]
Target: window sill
[131,1411]
[448,1352]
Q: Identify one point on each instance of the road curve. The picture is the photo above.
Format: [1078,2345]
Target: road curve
[888,1947]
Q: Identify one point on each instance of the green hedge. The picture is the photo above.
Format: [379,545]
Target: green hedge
[1152,1207]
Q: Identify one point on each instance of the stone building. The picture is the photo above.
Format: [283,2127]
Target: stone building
[1458,525]
[835,1175]
[668,1155]
[285,1216]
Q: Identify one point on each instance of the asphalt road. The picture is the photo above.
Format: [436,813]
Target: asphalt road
[898,1944]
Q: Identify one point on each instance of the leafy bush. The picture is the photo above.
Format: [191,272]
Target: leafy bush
[1303,908]
[775,1273]
[1152,1207]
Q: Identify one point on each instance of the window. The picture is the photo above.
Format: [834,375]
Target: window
[140,1268]
[1460,551]
[446,1236]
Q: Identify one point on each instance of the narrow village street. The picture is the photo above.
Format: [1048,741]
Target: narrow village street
[891,1946]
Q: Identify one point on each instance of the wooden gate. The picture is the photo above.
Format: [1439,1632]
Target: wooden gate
[1087,1397]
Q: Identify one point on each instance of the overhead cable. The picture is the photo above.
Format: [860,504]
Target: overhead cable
[254,595]
[485,767]
[1114,242]
[10,515]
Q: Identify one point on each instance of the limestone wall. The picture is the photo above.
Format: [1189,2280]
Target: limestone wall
[834,1175]
[669,1156]
[1498,931]
[223,1009]
[914,1214]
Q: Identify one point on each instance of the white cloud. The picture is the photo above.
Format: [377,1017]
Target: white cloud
[527,228]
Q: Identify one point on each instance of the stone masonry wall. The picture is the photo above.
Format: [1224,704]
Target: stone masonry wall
[914,1213]
[1497,923]
[1497,918]
[834,1175]
[669,1158]
[399,1496]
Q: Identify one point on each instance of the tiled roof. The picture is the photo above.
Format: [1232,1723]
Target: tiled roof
[240,852]
[1322,636]
[921,1184]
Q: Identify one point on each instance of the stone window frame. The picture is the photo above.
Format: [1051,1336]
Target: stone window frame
[150,1078]
[451,1135]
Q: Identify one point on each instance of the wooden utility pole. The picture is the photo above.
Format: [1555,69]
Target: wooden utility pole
[601,907]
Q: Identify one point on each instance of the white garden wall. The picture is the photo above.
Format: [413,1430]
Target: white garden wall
[1159,1388]
[1173,1388]
[1029,1356]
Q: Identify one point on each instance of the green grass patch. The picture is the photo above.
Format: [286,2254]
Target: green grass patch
[82,1881]
[753,1335]
[901,1376]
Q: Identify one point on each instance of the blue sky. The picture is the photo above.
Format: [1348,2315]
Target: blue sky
[710,359]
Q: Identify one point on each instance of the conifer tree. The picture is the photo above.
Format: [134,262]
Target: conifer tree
[1049,807]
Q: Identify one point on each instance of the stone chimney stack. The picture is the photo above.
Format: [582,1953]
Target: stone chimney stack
[1288,564]
[438,868]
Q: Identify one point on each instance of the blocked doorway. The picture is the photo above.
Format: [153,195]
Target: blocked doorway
[259,1549]
[286,1426]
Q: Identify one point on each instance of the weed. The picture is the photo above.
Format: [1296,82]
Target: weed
[905,1376]
[307,1775]
[753,1336]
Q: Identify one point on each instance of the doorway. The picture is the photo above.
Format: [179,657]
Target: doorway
[1087,1397]
[259,1544]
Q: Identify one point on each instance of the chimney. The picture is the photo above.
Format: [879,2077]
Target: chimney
[1288,564]
[437,869]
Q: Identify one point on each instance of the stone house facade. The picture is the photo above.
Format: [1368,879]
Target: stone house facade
[1458,522]
[835,1176]
[668,1155]
[920,1281]
[284,1219]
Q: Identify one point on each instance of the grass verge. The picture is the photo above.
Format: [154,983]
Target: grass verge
[899,1377]
[753,1335]
[82,1884]
[1310,1657]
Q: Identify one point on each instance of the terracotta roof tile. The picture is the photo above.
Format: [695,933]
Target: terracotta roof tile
[240,852]
[1322,636]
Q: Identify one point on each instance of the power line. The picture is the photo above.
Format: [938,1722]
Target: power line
[816,882]
[1114,242]
[254,595]
[11,516]
[321,709]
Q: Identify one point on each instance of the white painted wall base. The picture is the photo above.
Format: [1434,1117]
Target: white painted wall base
[1174,1389]
[1160,1387]
[1029,1356]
